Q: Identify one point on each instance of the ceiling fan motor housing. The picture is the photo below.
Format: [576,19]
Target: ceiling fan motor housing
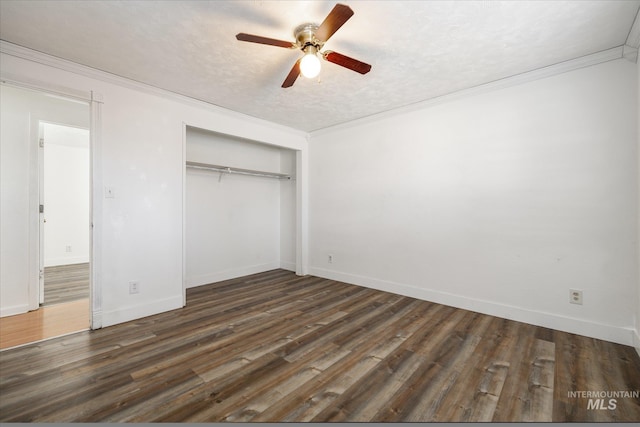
[306,37]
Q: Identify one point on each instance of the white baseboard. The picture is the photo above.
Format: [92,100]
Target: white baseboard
[13,310]
[290,266]
[636,341]
[138,311]
[548,320]
[219,276]
[53,262]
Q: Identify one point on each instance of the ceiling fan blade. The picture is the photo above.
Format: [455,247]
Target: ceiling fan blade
[338,16]
[345,61]
[293,74]
[263,40]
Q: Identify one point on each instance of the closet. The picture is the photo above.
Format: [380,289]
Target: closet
[240,207]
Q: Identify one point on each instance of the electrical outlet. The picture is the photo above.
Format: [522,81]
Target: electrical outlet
[134,287]
[575,296]
[109,193]
[68,248]
[330,259]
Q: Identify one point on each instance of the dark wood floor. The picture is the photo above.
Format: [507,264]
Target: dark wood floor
[277,347]
[66,283]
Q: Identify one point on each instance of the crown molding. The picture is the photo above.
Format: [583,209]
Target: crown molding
[37,85]
[630,53]
[83,70]
[540,73]
[555,69]
[633,39]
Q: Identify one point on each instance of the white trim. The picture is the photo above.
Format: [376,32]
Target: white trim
[559,68]
[184,214]
[219,276]
[14,309]
[540,73]
[548,320]
[630,53]
[83,70]
[33,290]
[633,39]
[636,341]
[41,261]
[302,212]
[138,311]
[41,86]
[96,197]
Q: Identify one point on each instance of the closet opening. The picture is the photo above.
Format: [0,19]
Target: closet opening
[239,207]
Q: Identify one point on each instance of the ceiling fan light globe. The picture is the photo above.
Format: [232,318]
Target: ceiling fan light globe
[310,65]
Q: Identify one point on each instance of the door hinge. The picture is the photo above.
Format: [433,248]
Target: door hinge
[41,142]
[41,208]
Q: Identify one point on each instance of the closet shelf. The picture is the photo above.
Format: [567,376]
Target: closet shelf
[231,170]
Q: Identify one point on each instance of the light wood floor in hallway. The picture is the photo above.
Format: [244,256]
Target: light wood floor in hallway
[65,309]
[277,347]
[47,322]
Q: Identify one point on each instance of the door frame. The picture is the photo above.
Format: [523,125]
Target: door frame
[94,101]
[41,218]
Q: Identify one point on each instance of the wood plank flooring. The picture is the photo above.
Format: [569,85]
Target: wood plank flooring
[65,283]
[277,347]
[47,322]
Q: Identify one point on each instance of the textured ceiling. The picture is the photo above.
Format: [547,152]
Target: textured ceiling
[418,49]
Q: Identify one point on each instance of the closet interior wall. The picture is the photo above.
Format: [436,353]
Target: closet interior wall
[237,224]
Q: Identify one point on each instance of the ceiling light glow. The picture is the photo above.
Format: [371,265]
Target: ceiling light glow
[310,65]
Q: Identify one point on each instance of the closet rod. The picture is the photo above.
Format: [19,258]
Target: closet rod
[230,170]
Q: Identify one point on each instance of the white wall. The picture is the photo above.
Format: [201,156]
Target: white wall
[66,195]
[233,224]
[142,159]
[21,111]
[498,202]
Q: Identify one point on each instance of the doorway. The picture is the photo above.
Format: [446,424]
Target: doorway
[31,117]
[64,163]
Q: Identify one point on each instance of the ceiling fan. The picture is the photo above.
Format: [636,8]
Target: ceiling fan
[310,38]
